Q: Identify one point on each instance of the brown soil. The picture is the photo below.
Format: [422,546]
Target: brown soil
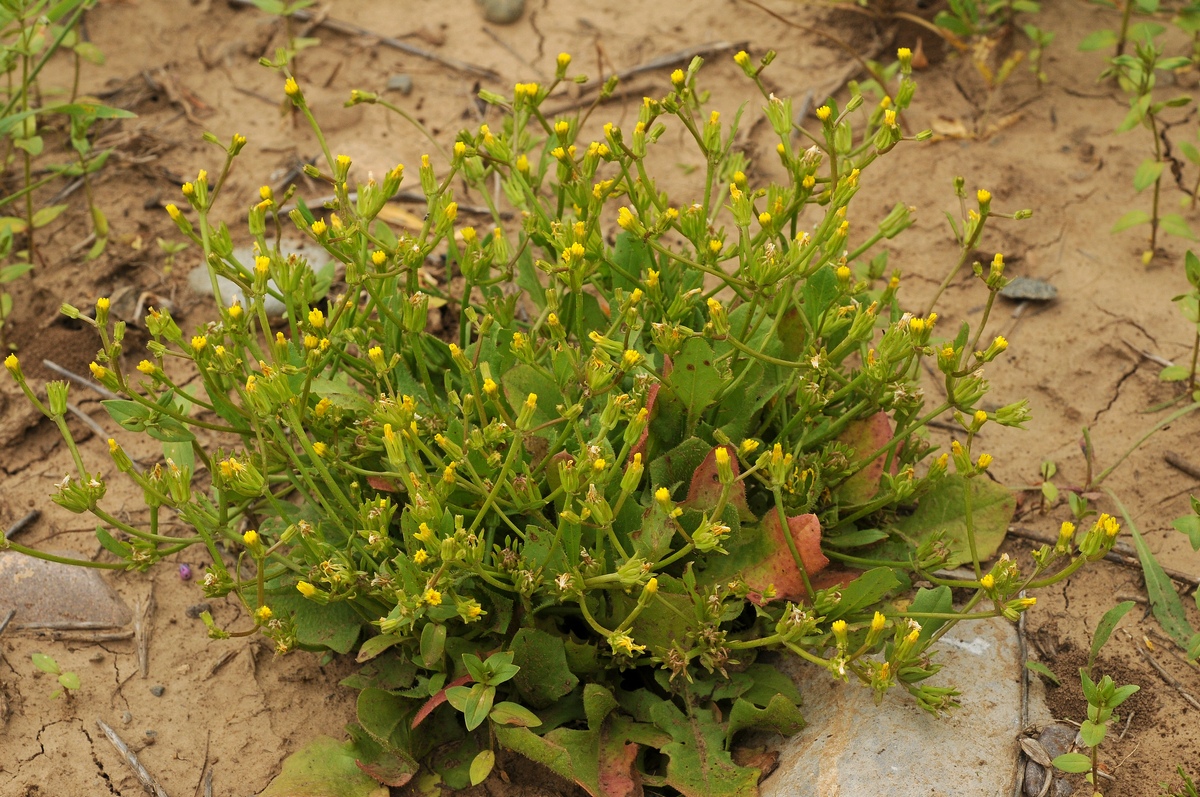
[187,68]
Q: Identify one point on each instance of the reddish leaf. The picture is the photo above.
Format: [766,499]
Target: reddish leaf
[618,777]
[382,484]
[779,567]
[437,700]
[651,396]
[705,490]
[864,437]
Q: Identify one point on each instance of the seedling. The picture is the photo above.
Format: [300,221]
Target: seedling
[69,681]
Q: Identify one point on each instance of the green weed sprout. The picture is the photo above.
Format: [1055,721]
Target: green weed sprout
[68,681]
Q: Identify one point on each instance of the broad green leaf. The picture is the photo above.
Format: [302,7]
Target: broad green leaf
[45,663]
[1043,670]
[69,680]
[938,600]
[544,676]
[481,766]
[46,215]
[389,765]
[699,765]
[1092,733]
[769,682]
[1164,600]
[333,625]
[524,379]
[630,259]
[508,713]
[34,146]
[433,644]
[478,705]
[869,588]
[1147,172]
[780,716]
[1131,219]
[10,273]
[384,715]
[854,539]
[693,379]
[1108,624]
[943,509]
[375,646]
[1189,525]
[324,767]
[1190,152]
[111,544]
[1176,225]
[1072,762]
[1174,373]
[1098,40]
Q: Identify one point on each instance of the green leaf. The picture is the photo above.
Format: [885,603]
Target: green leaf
[33,145]
[869,588]
[1092,733]
[376,645]
[1131,219]
[935,601]
[1098,40]
[1072,762]
[333,625]
[1044,671]
[1164,600]
[631,257]
[1148,171]
[46,215]
[111,544]
[1190,152]
[10,273]
[942,509]
[324,767]
[433,644]
[1108,624]
[1174,373]
[478,705]
[781,716]
[481,766]
[694,380]
[524,379]
[699,765]
[45,663]
[854,539]
[508,713]
[544,677]
[69,680]
[1049,492]
[1176,225]
[89,52]
[1191,267]
[1189,525]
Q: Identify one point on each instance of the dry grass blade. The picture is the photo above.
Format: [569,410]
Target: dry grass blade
[141,631]
[1171,680]
[140,771]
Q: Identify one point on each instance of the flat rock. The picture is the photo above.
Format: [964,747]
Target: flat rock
[52,595]
[853,747]
[200,282]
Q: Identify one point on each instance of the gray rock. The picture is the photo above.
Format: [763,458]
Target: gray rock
[502,12]
[1028,289]
[401,83]
[52,595]
[852,747]
[195,610]
[157,690]
[199,281]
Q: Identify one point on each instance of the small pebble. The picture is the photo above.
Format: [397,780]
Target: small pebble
[502,12]
[126,718]
[194,611]
[96,657]
[157,690]
[185,572]
[401,83]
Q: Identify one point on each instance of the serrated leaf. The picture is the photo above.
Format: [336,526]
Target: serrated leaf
[481,766]
[1072,762]
[1043,670]
[699,765]
[1131,219]
[1147,172]
[1104,629]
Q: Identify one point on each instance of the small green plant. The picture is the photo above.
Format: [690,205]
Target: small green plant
[1040,39]
[572,524]
[1102,697]
[1118,39]
[169,250]
[1187,790]
[1189,306]
[68,681]
[1137,75]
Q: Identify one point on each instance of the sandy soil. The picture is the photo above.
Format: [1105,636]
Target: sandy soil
[189,67]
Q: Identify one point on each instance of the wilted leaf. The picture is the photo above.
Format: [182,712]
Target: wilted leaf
[863,437]
[762,557]
[324,767]
[705,490]
[481,766]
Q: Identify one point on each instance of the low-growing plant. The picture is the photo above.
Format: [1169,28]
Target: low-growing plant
[574,522]
[1189,306]
[1118,39]
[67,681]
[1137,76]
[1187,790]
[1103,697]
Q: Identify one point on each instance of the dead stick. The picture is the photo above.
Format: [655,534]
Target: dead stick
[69,636]
[1122,554]
[20,525]
[1181,464]
[345,28]
[674,59]
[74,377]
[141,632]
[1166,676]
[145,777]
[7,620]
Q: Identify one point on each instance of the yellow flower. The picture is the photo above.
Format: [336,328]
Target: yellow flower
[714,246]
[250,537]
[432,597]
[878,622]
[599,465]
[98,371]
[146,367]
[319,449]
[636,296]
[981,417]
[451,211]
[266,193]
[623,644]
[316,318]
[764,218]
[984,461]
[984,196]
[379,257]
[421,556]
[742,58]
[563,60]
[824,112]
[235,310]
[809,181]
[322,407]
[173,212]
[677,78]
[448,474]
[523,164]
[188,189]
[652,278]
[662,495]
[630,359]
[319,227]
[306,589]
[425,534]
[263,613]
[291,87]
[262,264]
[988,582]
[490,387]
[311,341]
[625,218]
[748,447]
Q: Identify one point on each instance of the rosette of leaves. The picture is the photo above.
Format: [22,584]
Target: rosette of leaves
[572,525]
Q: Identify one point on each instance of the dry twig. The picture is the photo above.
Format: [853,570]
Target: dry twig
[79,380]
[1181,464]
[148,781]
[20,525]
[1171,680]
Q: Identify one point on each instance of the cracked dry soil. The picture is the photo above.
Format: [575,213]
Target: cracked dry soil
[233,705]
